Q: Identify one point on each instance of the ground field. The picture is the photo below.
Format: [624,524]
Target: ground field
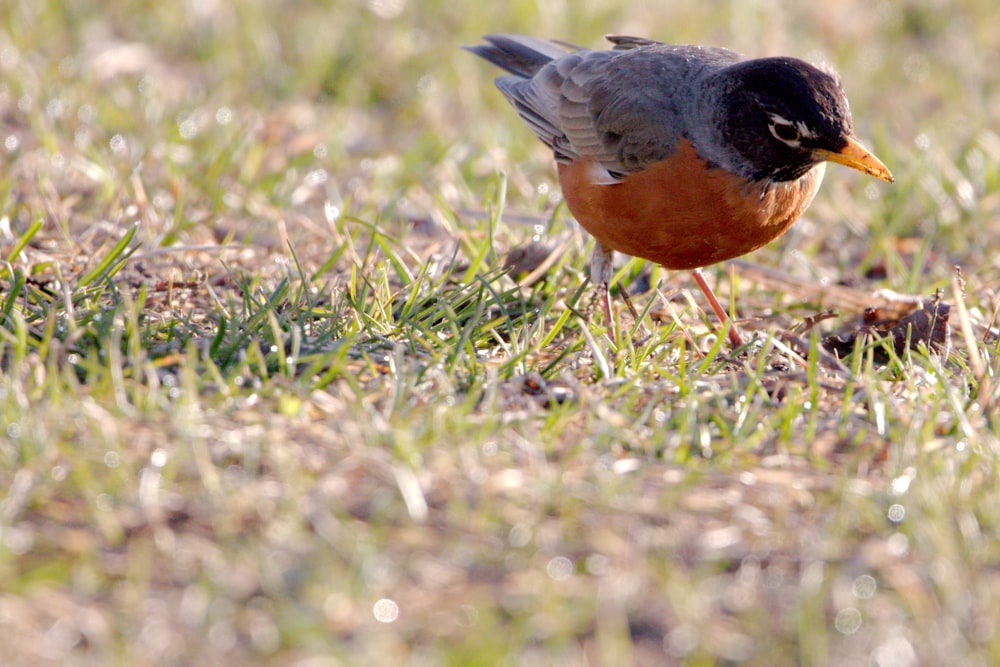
[269,397]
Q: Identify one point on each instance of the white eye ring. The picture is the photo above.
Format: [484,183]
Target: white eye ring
[788,132]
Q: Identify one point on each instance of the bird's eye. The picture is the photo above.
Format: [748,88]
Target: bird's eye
[786,132]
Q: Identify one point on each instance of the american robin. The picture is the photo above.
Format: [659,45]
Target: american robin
[682,155]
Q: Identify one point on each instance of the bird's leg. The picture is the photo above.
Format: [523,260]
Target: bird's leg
[601,273]
[734,335]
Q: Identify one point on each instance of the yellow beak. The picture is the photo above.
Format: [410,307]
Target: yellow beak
[856,156]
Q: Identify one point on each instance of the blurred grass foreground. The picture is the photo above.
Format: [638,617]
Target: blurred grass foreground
[268,394]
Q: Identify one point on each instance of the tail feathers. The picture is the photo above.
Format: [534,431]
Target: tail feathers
[520,55]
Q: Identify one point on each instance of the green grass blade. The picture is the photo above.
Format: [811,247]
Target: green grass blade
[112,261]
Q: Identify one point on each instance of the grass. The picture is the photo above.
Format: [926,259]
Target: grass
[268,395]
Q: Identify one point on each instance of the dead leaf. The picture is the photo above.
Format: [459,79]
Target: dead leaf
[928,325]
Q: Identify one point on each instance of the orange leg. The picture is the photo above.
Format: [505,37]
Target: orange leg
[734,335]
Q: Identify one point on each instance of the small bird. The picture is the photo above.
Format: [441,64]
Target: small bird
[681,155]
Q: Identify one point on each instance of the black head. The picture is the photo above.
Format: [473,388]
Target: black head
[782,115]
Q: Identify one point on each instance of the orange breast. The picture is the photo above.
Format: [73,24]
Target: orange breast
[682,214]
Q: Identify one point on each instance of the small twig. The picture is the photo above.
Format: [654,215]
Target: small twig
[893,304]
[810,321]
[795,343]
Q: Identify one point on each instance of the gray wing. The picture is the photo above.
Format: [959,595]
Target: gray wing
[623,108]
[554,103]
